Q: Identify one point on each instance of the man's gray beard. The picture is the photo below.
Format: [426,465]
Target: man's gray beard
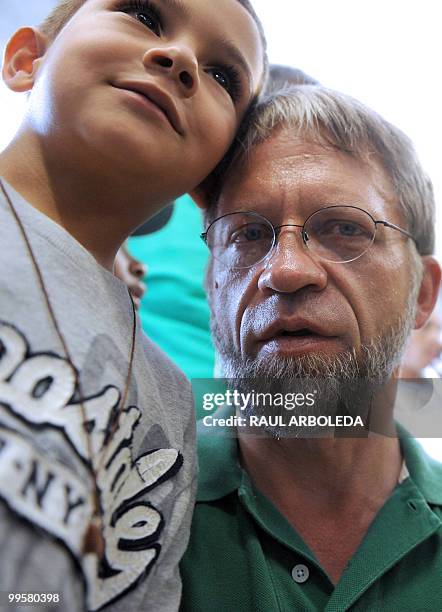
[344,384]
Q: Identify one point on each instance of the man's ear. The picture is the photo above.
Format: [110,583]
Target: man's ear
[428,292]
[23,56]
[201,195]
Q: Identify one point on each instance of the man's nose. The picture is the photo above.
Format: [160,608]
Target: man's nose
[178,62]
[291,267]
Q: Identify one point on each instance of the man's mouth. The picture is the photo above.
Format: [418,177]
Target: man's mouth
[296,334]
[292,328]
[294,337]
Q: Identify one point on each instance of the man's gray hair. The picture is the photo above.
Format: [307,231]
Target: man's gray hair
[340,121]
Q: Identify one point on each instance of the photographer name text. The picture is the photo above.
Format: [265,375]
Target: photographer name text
[302,420]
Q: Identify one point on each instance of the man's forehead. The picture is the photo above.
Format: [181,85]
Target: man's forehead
[289,164]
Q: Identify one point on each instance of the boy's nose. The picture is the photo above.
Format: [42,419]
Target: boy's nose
[177,61]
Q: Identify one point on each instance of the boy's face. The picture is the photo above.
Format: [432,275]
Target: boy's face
[155,91]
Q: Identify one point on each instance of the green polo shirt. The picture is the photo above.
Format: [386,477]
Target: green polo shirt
[243,553]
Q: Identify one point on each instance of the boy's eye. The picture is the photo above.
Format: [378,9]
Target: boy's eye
[220,78]
[229,79]
[146,14]
[150,21]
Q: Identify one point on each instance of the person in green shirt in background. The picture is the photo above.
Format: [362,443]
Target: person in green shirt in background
[174,311]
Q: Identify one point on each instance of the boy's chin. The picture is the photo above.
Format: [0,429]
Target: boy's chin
[129,152]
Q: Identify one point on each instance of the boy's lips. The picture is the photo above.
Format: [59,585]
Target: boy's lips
[159,98]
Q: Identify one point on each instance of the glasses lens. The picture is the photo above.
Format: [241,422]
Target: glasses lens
[240,240]
[340,233]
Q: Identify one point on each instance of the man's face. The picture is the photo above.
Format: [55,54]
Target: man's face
[132,272]
[156,90]
[293,306]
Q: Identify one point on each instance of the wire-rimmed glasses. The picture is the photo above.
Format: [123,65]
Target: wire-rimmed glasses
[338,234]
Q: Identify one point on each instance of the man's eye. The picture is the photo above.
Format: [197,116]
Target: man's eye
[250,233]
[228,78]
[146,14]
[348,229]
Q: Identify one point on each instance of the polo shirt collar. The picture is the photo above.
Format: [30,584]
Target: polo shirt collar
[425,471]
[221,474]
[219,469]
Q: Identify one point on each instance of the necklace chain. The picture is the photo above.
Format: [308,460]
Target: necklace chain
[53,318]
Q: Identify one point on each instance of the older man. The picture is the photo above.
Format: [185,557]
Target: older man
[321,238]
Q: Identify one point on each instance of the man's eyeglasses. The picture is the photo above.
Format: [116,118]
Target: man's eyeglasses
[338,234]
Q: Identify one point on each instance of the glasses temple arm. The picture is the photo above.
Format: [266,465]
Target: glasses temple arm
[396,227]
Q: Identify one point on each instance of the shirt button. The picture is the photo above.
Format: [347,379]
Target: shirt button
[300,573]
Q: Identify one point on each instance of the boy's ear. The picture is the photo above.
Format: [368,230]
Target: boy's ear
[23,56]
[428,292]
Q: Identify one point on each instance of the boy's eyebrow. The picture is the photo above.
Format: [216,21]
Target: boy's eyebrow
[234,54]
[226,46]
[179,6]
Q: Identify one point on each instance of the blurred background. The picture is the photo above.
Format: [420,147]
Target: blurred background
[387,54]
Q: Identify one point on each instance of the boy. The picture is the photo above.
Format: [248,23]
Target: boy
[130,104]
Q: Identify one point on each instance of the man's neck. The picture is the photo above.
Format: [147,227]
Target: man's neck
[97,209]
[349,462]
[329,490]
[322,469]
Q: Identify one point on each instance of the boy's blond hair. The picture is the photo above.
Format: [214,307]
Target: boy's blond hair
[59,16]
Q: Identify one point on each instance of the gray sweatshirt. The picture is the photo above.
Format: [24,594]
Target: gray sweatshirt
[145,472]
